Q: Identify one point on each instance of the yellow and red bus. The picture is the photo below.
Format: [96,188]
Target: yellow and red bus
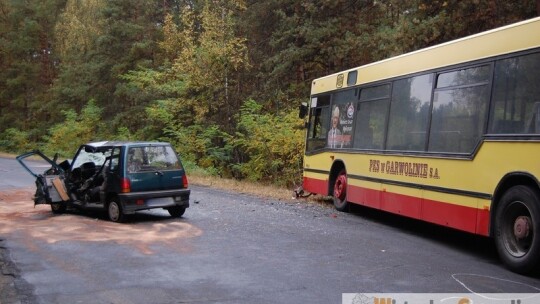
[449,134]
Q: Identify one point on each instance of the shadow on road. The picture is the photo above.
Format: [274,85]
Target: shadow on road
[474,245]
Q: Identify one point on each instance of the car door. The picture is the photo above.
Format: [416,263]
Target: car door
[50,184]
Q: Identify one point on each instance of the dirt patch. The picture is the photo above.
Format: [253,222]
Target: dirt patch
[19,216]
[16,195]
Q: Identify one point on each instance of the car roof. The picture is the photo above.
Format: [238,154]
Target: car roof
[105,144]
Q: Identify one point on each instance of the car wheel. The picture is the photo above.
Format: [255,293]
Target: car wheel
[340,192]
[58,208]
[176,211]
[517,219]
[115,212]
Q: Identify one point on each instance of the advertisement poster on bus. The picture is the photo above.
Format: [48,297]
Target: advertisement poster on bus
[341,126]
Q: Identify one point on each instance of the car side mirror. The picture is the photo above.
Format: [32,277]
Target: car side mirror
[303,110]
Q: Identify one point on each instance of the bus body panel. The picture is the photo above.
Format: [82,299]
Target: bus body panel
[448,191]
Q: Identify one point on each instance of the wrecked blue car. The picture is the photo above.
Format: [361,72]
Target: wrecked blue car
[118,177]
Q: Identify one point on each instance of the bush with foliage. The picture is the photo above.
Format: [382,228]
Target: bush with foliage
[64,138]
[14,140]
[271,145]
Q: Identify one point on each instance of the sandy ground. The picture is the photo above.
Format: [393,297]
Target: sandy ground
[17,214]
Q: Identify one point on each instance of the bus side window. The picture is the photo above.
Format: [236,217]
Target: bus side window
[315,123]
[515,96]
[342,120]
[371,117]
[318,123]
[459,110]
[534,124]
[409,113]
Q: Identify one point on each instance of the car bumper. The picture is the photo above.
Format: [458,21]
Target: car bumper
[134,201]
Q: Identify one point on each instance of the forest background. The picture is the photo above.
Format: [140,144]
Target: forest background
[220,79]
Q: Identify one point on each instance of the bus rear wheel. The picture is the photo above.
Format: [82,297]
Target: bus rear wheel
[340,192]
[517,220]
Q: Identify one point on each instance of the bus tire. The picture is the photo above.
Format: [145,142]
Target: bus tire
[340,192]
[517,220]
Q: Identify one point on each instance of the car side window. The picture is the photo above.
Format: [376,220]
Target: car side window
[115,159]
[135,159]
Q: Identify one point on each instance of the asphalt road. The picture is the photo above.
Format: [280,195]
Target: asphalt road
[236,248]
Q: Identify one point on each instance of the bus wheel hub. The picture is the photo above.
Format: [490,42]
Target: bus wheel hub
[521,227]
[340,187]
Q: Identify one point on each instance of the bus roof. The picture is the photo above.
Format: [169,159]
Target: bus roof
[503,40]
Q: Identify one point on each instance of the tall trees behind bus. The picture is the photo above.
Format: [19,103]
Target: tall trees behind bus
[221,79]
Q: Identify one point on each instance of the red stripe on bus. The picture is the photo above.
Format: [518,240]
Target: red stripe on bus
[459,217]
[314,185]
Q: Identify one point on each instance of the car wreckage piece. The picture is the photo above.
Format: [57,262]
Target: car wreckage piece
[50,187]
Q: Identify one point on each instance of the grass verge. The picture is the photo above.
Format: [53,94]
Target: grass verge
[257,189]
[242,186]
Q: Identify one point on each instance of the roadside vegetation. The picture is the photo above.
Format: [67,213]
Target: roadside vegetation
[220,79]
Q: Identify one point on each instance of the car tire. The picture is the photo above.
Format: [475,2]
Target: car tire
[176,211]
[115,212]
[58,208]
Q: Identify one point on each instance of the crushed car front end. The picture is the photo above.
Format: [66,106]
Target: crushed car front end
[50,184]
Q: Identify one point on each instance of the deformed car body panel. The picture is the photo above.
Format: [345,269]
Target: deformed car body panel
[50,186]
[54,166]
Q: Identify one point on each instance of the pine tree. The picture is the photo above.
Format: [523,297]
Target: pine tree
[77,32]
[29,63]
[211,61]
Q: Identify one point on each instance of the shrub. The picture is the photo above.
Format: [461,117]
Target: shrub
[64,138]
[271,145]
[14,140]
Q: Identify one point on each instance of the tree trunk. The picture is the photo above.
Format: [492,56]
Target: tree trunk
[47,73]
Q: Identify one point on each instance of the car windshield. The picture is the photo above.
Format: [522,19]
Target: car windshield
[98,158]
[149,158]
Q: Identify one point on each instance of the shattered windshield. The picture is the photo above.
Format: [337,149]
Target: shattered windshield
[98,158]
